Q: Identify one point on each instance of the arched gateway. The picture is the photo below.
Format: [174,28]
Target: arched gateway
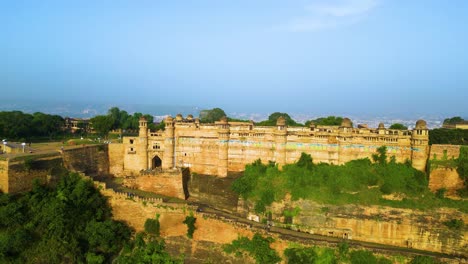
[156,162]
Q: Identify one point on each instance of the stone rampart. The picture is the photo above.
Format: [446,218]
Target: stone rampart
[17,175]
[440,151]
[91,160]
[116,159]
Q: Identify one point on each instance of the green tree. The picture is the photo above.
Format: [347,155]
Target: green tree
[272,119]
[453,120]
[326,121]
[102,124]
[304,255]
[362,257]
[152,226]
[398,126]
[211,116]
[258,248]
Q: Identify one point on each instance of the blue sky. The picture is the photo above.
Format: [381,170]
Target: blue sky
[317,56]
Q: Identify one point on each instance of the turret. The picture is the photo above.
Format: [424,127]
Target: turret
[143,126]
[420,145]
[169,144]
[346,125]
[280,141]
[223,147]
[142,144]
[381,129]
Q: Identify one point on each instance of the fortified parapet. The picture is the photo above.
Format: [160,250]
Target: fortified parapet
[420,145]
[223,143]
[280,141]
[169,144]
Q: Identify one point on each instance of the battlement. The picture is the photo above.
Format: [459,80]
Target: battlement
[224,146]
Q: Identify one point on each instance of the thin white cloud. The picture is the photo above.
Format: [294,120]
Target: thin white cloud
[326,14]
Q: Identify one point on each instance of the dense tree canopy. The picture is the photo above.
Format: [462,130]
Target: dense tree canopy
[326,121]
[453,120]
[448,136]
[66,224]
[16,125]
[274,117]
[211,116]
[398,126]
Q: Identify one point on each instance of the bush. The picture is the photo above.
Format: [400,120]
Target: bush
[152,226]
[190,222]
[423,260]
[362,257]
[258,248]
[455,224]
[303,255]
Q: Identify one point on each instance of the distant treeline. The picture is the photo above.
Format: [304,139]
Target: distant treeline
[448,136]
[16,125]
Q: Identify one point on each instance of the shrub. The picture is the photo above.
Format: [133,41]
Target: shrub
[190,222]
[152,226]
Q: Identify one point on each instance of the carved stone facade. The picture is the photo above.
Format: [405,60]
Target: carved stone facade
[215,149]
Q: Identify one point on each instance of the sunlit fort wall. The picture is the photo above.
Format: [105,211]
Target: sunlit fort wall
[222,147]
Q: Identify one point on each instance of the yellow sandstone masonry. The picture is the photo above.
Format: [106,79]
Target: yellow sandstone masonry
[215,149]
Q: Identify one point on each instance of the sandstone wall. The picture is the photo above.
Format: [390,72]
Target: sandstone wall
[91,160]
[447,178]
[392,226]
[443,171]
[116,159]
[21,176]
[167,182]
[441,151]
[4,175]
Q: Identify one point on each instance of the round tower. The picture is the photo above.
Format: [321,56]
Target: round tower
[280,141]
[169,144]
[223,147]
[142,144]
[420,145]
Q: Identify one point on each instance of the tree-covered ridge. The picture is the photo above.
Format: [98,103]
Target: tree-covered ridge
[16,125]
[358,182]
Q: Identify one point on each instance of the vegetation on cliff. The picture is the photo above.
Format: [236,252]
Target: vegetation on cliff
[356,182]
[69,223]
[258,248]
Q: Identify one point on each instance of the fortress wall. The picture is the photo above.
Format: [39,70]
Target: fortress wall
[116,159]
[199,154]
[168,182]
[91,160]
[135,160]
[442,176]
[4,175]
[21,176]
[247,150]
[438,151]
[447,178]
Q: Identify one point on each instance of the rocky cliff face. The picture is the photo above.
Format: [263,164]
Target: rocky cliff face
[391,226]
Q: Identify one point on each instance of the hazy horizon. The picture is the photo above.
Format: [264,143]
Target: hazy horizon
[319,57]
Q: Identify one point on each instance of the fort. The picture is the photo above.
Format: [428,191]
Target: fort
[222,147]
